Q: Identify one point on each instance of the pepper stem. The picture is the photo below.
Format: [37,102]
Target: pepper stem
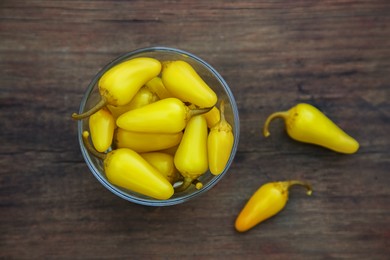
[198,111]
[90,148]
[90,112]
[305,184]
[282,114]
[222,111]
[186,184]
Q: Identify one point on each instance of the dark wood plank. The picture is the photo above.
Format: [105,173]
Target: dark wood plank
[273,54]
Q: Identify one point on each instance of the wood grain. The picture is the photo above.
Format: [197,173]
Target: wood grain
[273,54]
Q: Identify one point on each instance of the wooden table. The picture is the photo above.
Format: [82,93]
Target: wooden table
[273,54]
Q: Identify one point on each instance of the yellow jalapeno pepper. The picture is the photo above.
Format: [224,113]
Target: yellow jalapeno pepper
[102,125]
[120,83]
[146,142]
[266,202]
[212,117]
[156,86]
[191,155]
[183,82]
[127,169]
[171,150]
[143,97]
[219,144]
[163,162]
[307,124]
[169,115]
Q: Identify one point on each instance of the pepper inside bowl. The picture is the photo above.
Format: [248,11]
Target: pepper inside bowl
[163,123]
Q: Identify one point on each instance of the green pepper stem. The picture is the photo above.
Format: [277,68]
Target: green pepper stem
[90,148]
[186,184]
[222,111]
[90,112]
[282,114]
[305,184]
[198,111]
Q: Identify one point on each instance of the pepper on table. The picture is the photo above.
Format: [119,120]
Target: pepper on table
[305,123]
[266,202]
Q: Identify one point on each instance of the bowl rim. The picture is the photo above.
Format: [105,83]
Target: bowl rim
[146,201]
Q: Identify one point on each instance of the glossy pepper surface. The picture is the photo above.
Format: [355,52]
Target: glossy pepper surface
[119,84]
[191,155]
[143,97]
[163,162]
[220,143]
[102,125]
[146,142]
[169,115]
[156,86]
[183,82]
[266,202]
[307,124]
[127,169]
[212,117]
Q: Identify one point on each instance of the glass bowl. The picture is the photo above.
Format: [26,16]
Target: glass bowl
[209,75]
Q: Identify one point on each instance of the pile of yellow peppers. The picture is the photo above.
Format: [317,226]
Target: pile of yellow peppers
[158,127]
